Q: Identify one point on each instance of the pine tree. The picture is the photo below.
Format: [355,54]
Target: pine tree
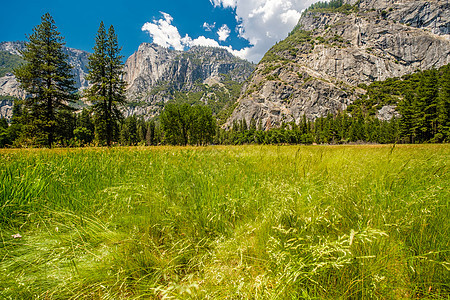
[175,123]
[425,107]
[141,130]
[47,78]
[443,106]
[107,89]
[407,111]
[150,136]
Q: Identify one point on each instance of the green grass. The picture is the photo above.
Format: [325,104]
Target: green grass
[250,222]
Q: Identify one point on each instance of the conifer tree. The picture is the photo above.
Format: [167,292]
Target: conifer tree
[407,111]
[150,135]
[47,78]
[425,107]
[107,89]
[443,106]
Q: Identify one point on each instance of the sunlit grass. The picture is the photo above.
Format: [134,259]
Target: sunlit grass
[250,222]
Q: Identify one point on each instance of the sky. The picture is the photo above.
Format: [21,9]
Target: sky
[247,28]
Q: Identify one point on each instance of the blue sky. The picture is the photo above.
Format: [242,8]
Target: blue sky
[247,28]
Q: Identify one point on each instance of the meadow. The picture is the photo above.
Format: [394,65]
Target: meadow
[245,222]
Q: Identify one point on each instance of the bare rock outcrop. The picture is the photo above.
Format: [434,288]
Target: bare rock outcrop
[154,73]
[318,68]
[10,87]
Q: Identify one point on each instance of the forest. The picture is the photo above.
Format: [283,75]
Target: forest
[422,100]
[56,115]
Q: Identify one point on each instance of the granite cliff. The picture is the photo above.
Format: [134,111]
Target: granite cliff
[10,87]
[77,58]
[319,67]
[155,73]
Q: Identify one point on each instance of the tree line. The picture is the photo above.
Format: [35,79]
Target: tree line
[46,117]
[422,100]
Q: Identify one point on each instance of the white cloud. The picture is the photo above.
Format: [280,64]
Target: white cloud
[261,22]
[209,27]
[164,33]
[290,17]
[203,41]
[264,22]
[224,33]
[224,3]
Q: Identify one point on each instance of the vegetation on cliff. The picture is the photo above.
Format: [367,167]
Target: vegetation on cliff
[422,99]
[9,62]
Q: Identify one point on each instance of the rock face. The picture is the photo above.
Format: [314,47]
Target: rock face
[434,15]
[12,47]
[6,107]
[77,58]
[154,65]
[10,87]
[154,72]
[318,68]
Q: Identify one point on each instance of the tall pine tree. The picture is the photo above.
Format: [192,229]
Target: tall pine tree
[107,89]
[48,80]
[443,106]
[408,112]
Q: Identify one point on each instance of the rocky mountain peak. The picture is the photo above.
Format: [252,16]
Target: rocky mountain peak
[77,58]
[154,73]
[318,68]
[12,47]
[153,65]
[10,87]
[433,15]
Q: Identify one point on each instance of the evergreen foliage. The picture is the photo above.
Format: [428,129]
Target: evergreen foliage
[191,118]
[333,4]
[330,6]
[422,99]
[84,131]
[47,78]
[9,62]
[183,124]
[290,44]
[107,89]
[339,129]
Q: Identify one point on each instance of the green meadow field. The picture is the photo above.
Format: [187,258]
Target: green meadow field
[245,222]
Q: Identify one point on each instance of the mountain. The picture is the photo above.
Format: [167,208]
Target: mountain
[338,46]
[9,87]
[156,75]
[77,58]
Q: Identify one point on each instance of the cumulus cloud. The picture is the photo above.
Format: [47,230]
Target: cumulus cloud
[261,22]
[209,27]
[224,33]
[264,22]
[224,3]
[201,41]
[164,33]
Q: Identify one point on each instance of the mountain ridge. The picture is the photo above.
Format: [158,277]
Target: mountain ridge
[318,68]
[154,74]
